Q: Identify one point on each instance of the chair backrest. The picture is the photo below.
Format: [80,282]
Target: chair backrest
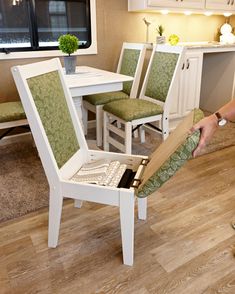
[131,63]
[162,74]
[51,113]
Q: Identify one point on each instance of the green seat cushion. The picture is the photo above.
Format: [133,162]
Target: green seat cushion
[173,163]
[132,109]
[103,98]
[10,111]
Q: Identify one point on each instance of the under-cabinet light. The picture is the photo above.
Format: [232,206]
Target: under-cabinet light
[208,13]
[164,11]
[188,12]
[227,14]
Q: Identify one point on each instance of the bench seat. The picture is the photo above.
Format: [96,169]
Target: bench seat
[12,115]
[11,111]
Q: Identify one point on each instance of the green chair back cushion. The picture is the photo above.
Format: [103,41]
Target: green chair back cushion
[50,101]
[11,111]
[128,67]
[176,160]
[160,76]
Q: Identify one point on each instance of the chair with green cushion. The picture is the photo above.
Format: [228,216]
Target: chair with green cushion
[130,63]
[12,115]
[63,150]
[153,104]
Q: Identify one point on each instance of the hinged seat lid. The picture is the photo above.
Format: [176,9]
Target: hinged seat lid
[170,155]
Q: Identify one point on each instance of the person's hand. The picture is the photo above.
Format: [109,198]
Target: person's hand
[207,127]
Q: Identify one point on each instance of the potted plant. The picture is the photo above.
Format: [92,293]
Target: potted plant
[160,39]
[69,44]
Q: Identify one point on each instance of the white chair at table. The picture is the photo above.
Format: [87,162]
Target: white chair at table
[130,63]
[153,105]
[62,147]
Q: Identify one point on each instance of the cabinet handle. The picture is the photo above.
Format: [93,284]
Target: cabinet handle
[182,67]
[232,2]
[228,2]
[188,64]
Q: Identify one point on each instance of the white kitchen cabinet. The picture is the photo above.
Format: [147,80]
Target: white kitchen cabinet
[135,5]
[226,5]
[188,87]
[219,6]
[177,3]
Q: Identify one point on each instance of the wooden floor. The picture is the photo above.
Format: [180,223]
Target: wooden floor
[185,247]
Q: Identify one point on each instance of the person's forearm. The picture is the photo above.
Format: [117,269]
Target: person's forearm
[228,111]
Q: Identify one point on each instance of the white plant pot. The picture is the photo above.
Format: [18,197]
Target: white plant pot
[70,64]
[161,40]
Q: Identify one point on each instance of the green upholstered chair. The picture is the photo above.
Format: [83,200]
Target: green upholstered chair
[12,115]
[153,104]
[63,150]
[130,63]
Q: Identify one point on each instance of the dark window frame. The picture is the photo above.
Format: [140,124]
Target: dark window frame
[33,31]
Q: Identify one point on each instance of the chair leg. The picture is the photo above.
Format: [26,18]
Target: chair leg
[142,208]
[128,137]
[106,131]
[85,119]
[127,202]
[165,127]
[55,210]
[99,125]
[142,134]
[77,203]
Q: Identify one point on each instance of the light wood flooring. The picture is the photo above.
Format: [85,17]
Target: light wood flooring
[185,247]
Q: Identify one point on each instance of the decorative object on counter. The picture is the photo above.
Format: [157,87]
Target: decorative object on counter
[160,39]
[173,39]
[147,29]
[69,44]
[227,37]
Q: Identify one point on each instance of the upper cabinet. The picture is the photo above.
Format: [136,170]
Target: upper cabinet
[181,5]
[228,5]
[177,3]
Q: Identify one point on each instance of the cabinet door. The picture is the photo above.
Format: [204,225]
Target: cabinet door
[227,5]
[191,82]
[177,3]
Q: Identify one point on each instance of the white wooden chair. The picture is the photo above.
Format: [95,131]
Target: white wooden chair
[63,150]
[130,63]
[153,104]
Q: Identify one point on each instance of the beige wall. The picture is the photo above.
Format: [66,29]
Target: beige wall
[115,25]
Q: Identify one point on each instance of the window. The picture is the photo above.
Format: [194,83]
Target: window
[35,25]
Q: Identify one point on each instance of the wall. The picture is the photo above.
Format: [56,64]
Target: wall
[115,25]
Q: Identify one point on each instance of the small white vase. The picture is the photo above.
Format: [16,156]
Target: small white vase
[161,40]
[70,64]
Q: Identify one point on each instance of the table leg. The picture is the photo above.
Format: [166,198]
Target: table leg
[78,105]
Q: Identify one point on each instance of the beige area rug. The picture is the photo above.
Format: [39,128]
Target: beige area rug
[23,185]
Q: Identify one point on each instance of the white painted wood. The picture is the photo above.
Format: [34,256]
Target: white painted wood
[55,210]
[227,5]
[127,202]
[142,208]
[59,179]
[78,203]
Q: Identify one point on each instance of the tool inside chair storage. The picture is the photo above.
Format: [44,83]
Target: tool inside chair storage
[145,174]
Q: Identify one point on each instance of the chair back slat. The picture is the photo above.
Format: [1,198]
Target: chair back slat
[49,98]
[160,76]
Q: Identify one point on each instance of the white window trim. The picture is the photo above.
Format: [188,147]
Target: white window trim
[57,53]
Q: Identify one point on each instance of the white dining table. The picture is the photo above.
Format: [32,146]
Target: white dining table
[88,80]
